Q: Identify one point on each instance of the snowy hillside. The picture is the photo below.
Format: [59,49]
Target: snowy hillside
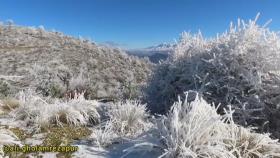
[53,63]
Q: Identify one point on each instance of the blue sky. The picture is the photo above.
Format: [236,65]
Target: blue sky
[137,23]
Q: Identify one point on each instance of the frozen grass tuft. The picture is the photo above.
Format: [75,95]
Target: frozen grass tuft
[104,135]
[39,112]
[124,120]
[192,130]
[245,143]
[129,118]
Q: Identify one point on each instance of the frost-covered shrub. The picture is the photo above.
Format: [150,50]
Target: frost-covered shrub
[79,83]
[195,130]
[129,118]
[130,90]
[238,68]
[42,113]
[50,80]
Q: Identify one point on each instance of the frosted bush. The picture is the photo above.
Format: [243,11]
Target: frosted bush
[78,83]
[36,111]
[129,118]
[194,129]
[50,80]
[239,67]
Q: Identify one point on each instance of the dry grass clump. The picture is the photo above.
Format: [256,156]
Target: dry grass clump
[20,133]
[8,104]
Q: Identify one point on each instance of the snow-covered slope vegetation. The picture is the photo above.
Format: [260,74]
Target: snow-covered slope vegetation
[55,64]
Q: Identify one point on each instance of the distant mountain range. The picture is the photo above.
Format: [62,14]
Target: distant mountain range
[154,53]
